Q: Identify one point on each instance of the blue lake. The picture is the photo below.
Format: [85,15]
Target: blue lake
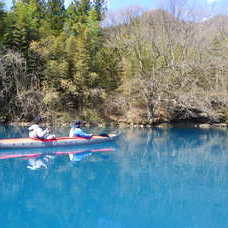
[175,178]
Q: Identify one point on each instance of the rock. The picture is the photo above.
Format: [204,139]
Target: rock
[123,125]
[23,124]
[203,115]
[163,125]
[131,125]
[204,125]
[220,125]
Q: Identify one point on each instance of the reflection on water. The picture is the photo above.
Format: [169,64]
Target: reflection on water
[182,173]
[40,162]
[154,178]
[41,157]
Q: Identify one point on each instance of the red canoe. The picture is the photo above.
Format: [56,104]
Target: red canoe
[59,141]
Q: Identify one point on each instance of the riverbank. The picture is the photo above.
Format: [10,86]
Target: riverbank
[165,115]
[122,124]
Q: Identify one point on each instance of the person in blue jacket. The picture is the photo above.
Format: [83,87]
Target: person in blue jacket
[77,131]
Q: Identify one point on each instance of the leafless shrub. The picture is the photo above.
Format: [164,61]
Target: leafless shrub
[115,105]
[17,96]
[30,103]
[163,59]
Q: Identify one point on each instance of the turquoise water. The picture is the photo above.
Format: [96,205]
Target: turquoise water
[154,178]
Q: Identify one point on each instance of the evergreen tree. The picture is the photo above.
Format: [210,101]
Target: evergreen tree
[55,15]
[2,20]
[100,7]
[15,39]
[77,14]
[23,23]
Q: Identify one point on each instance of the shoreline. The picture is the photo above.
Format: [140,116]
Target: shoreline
[120,124]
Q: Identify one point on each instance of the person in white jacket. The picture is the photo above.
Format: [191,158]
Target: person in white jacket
[35,131]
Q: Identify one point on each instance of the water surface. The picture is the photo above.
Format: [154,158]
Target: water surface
[155,178]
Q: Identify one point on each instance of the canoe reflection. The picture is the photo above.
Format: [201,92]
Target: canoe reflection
[42,159]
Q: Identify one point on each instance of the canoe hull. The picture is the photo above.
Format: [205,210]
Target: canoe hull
[58,142]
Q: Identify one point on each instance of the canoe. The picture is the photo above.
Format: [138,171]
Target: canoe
[13,143]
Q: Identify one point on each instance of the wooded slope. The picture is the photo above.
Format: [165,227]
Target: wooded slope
[150,68]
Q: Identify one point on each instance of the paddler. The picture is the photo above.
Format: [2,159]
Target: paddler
[35,131]
[77,131]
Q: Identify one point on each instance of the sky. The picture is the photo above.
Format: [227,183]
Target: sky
[115,5]
[118,4]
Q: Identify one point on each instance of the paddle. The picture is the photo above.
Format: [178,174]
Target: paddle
[104,135]
[35,155]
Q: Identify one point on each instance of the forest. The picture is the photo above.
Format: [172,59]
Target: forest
[148,67]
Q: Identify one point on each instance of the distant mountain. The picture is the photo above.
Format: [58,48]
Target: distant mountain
[159,21]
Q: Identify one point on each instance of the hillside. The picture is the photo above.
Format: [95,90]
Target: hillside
[148,68]
[173,70]
[209,30]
